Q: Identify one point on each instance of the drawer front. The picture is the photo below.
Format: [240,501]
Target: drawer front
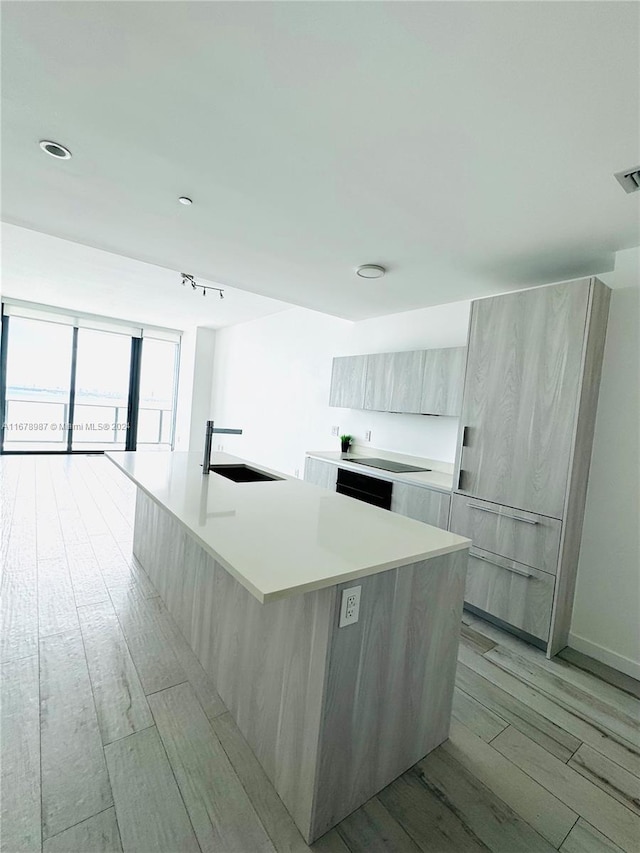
[511,591]
[423,504]
[320,473]
[523,536]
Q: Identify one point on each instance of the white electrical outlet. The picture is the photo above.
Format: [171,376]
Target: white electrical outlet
[367,435]
[350,606]
[221,447]
[335,430]
[297,473]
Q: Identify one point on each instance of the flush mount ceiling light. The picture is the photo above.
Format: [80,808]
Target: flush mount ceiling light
[55,149]
[370,271]
[189,279]
[185,200]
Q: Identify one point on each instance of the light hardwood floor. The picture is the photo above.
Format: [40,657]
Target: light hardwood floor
[114,739]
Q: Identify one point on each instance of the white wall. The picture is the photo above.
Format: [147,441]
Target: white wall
[201,386]
[185,388]
[271,378]
[606,613]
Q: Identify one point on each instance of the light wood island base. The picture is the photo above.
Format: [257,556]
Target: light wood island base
[332,714]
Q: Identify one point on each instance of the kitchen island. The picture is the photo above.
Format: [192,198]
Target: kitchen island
[253,574]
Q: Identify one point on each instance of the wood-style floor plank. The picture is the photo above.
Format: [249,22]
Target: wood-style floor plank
[611,778]
[474,640]
[371,829]
[116,571]
[19,614]
[150,811]
[480,720]
[56,602]
[619,715]
[601,740]
[601,671]
[119,698]
[492,821]
[152,654]
[428,821]
[554,739]
[220,810]
[268,805]
[583,838]
[20,749]
[607,815]
[548,815]
[199,680]
[50,544]
[97,834]
[570,665]
[75,785]
[86,577]
[330,842]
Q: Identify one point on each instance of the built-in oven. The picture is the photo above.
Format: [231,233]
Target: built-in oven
[371,490]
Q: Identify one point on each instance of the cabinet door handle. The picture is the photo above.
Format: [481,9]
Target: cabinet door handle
[504,514]
[479,556]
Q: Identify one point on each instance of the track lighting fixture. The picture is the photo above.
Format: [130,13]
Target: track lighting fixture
[189,279]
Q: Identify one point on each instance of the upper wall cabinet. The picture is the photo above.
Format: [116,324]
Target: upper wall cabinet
[427,382]
[393,381]
[443,381]
[347,382]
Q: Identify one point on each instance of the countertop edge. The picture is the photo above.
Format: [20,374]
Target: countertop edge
[364,573]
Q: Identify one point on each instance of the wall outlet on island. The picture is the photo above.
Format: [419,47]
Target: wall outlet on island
[335,430]
[350,606]
[221,447]
[367,435]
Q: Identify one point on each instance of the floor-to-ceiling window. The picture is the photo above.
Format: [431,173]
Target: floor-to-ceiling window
[76,383]
[158,380]
[103,370]
[38,384]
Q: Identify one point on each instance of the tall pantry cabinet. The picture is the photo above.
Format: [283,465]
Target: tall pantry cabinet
[528,414]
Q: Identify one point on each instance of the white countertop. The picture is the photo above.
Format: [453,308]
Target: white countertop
[283,537]
[439,480]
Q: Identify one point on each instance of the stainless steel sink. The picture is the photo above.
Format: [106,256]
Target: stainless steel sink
[242,473]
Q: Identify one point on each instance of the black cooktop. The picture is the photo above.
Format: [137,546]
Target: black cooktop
[386,464]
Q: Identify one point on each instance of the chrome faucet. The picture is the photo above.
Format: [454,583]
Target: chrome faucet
[208,439]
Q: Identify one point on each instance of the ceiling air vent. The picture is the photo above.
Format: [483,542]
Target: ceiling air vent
[629,179]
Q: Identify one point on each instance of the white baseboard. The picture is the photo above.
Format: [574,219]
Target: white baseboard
[613,659]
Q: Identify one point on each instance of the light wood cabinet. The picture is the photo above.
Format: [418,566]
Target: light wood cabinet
[532,539]
[427,505]
[394,381]
[348,381]
[427,382]
[524,447]
[512,592]
[521,396]
[320,473]
[443,381]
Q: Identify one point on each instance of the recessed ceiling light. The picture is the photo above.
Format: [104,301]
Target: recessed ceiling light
[184,200]
[370,271]
[55,149]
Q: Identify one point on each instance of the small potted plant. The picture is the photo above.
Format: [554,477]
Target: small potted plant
[345,441]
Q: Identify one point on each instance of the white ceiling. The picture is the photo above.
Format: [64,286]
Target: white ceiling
[39,268]
[468,146]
